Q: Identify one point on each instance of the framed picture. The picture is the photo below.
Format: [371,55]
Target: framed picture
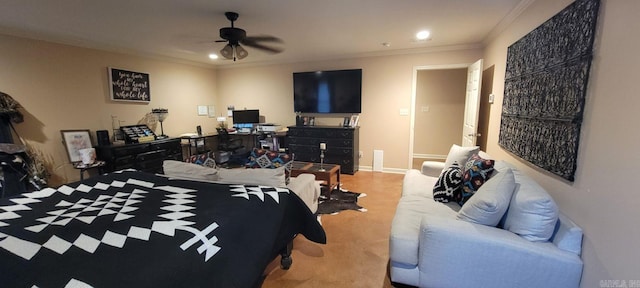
[74,140]
[312,121]
[354,120]
[129,86]
[203,110]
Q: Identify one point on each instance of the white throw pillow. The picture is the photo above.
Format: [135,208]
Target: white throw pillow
[460,155]
[266,177]
[532,212]
[189,171]
[490,202]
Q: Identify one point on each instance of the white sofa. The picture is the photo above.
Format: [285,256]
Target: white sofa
[435,244]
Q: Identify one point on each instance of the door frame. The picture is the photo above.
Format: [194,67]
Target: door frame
[414,96]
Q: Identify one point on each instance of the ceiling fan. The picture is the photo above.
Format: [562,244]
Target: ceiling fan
[235,36]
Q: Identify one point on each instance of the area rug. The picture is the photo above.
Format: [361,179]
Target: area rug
[340,200]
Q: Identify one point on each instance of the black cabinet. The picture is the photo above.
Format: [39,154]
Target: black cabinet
[140,156]
[342,145]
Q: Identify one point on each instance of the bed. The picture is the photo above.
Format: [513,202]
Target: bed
[135,229]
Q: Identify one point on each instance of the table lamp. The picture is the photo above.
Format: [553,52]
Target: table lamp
[161,114]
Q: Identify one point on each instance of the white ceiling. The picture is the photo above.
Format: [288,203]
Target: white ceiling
[311,30]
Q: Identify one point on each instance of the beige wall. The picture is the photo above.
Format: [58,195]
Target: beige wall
[386,88]
[63,87]
[604,199]
[442,92]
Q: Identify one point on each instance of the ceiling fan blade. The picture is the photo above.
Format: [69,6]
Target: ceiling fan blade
[264,38]
[261,46]
[220,41]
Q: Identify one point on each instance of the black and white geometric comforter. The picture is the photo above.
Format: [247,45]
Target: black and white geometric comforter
[134,229]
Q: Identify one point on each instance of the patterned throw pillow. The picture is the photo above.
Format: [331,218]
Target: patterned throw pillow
[449,185]
[204,159]
[476,172]
[262,158]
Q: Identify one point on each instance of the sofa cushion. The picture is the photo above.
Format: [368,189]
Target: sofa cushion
[567,235]
[532,212]
[490,202]
[476,172]
[416,183]
[448,186]
[189,171]
[460,155]
[266,177]
[405,227]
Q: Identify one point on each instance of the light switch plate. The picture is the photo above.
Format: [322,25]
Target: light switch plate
[491,97]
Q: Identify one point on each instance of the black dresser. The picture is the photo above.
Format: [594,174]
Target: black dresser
[140,156]
[342,145]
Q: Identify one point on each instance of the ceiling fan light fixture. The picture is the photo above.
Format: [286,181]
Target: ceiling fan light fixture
[241,53]
[227,51]
[235,36]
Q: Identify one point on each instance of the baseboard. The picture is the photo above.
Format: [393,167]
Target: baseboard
[384,170]
[430,156]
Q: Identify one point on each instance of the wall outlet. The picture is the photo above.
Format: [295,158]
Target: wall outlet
[360,154]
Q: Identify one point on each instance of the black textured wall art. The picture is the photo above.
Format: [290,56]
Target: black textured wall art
[545,88]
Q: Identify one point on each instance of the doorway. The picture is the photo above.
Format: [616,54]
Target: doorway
[438,104]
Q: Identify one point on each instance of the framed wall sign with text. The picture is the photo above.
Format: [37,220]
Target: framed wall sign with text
[127,85]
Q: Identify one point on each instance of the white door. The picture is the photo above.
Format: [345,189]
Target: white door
[472,104]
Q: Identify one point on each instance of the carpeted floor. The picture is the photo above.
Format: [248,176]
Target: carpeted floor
[340,200]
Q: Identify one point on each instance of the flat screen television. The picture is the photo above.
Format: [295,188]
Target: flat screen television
[336,91]
[246,116]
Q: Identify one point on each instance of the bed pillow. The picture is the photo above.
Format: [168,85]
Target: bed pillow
[266,177]
[447,188]
[490,202]
[460,155]
[475,173]
[263,158]
[189,171]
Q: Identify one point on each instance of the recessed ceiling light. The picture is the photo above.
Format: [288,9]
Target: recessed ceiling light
[423,35]
[386,44]
[213,56]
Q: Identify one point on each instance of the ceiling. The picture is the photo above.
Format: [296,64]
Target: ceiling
[311,30]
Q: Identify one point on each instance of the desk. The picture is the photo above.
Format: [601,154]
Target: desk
[331,175]
[86,167]
[199,142]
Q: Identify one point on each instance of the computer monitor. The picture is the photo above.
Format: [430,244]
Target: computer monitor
[246,116]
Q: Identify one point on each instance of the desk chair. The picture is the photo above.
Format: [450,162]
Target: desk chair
[226,143]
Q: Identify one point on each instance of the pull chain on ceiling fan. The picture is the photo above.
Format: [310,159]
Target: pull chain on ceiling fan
[236,36]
